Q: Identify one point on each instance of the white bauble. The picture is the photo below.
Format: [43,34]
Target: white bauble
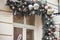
[46,7]
[30,7]
[36,6]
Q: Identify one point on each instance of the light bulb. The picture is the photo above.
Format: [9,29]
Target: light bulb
[40,10]
[42,5]
[33,12]
[25,3]
[47,38]
[19,9]
[49,29]
[50,25]
[47,23]
[51,20]
[53,37]
[23,6]
[49,32]
[48,19]
[50,38]
[46,16]
[13,7]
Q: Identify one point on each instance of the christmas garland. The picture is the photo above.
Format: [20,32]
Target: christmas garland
[24,7]
[39,7]
[48,27]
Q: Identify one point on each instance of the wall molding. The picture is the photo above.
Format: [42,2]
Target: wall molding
[6,11]
[6,22]
[5,35]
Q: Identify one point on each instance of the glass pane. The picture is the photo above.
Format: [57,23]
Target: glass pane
[30,20]
[30,34]
[17,33]
[18,19]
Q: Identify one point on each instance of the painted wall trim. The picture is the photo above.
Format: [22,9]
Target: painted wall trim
[23,26]
[5,35]
[6,11]
[6,22]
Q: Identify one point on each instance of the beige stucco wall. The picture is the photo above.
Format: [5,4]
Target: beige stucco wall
[6,21]
[6,27]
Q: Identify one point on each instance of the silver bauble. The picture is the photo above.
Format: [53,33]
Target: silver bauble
[30,7]
[46,7]
[36,6]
